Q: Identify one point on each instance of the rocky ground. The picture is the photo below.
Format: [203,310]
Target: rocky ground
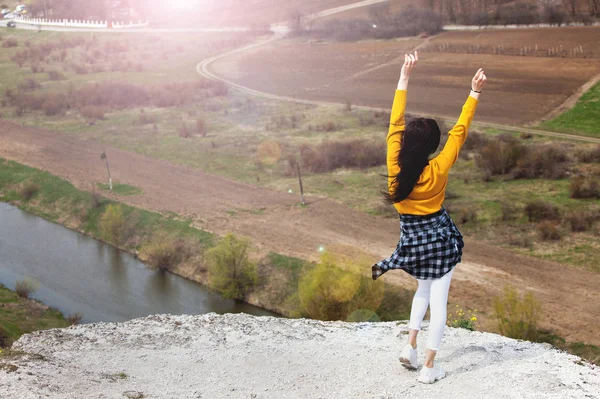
[241,356]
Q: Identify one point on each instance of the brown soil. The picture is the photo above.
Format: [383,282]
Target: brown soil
[569,295]
[521,89]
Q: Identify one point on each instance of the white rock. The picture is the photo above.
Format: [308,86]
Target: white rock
[241,355]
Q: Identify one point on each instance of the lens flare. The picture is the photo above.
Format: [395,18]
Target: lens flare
[269,152]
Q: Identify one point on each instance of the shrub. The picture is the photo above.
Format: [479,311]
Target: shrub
[164,253]
[585,187]
[517,316]
[509,211]
[81,69]
[28,190]
[146,119]
[331,292]
[460,319]
[11,42]
[475,141]
[580,221]
[589,155]
[75,318]
[201,127]
[548,231]
[547,161]
[499,156]
[93,112]
[230,270]
[463,213]
[54,104]
[539,210]
[24,288]
[29,85]
[112,225]
[4,338]
[56,75]
[332,155]
[185,131]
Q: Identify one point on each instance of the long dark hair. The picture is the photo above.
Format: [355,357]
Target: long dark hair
[420,139]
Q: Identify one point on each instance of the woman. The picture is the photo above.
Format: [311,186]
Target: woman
[430,245]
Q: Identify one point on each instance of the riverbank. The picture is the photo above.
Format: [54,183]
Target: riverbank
[58,201]
[20,316]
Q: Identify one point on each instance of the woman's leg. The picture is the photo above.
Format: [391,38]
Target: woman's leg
[419,308]
[438,303]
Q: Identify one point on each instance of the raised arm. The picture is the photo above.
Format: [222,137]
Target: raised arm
[458,135]
[397,123]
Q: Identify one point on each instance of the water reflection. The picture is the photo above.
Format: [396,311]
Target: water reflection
[80,275]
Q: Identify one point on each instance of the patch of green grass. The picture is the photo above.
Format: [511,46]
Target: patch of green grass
[584,118]
[121,189]
[20,316]
[286,262]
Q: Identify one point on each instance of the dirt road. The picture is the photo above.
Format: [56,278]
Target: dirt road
[275,222]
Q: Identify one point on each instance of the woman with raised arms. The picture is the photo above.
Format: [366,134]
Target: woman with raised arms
[430,244]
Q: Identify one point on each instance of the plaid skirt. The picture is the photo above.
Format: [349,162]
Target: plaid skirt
[429,247]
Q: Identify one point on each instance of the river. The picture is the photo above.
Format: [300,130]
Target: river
[78,274]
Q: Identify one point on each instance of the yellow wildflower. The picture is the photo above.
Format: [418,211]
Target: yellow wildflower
[473,318]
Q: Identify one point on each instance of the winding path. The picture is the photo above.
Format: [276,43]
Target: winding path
[204,69]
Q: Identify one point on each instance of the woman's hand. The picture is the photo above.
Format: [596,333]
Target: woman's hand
[410,61]
[478,81]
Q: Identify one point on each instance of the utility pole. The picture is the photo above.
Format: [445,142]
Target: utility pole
[300,181]
[105,159]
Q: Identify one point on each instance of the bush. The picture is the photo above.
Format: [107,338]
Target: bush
[230,270]
[585,187]
[54,104]
[81,69]
[7,43]
[580,221]
[112,225]
[164,253]
[539,210]
[589,156]
[29,85]
[463,213]
[517,316]
[547,161]
[460,319]
[185,131]
[75,318]
[201,127]
[24,288]
[332,155]
[549,231]
[146,119]
[500,156]
[330,292]
[56,75]
[93,112]
[28,190]
[5,340]
[509,211]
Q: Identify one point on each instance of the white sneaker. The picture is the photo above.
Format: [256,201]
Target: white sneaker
[408,357]
[431,375]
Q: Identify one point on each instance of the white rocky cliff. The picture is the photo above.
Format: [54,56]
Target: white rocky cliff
[240,356]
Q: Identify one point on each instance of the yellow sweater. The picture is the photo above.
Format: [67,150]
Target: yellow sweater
[428,195]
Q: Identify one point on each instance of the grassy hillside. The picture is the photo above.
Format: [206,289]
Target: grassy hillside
[20,316]
[584,117]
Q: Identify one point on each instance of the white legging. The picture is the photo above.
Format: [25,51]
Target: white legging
[433,293]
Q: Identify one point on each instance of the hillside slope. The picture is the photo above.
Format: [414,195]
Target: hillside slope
[240,356]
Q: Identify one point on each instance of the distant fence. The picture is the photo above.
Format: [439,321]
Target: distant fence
[74,23]
[513,26]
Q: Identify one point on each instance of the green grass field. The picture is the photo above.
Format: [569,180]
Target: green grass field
[584,118]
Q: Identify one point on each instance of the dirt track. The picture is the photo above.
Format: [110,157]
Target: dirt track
[275,222]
